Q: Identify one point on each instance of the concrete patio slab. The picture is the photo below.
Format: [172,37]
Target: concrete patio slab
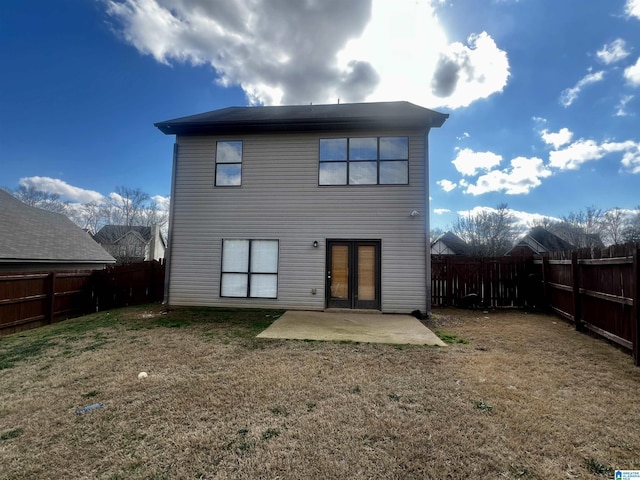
[355,327]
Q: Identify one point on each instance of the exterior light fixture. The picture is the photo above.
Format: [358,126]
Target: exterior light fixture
[414,213]
[315,244]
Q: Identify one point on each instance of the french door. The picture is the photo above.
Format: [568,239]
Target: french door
[353,274]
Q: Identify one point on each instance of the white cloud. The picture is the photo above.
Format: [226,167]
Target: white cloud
[561,137]
[613,52]
[463,136]
[632,8]
[632,74]
[622,106]
[441,211]
[466,73]
[524,220]
[301,52]
[468,162]
[162,201]
[569,95]
[631,159]
[62,188]
[523,175]
[582,151]
[446,185]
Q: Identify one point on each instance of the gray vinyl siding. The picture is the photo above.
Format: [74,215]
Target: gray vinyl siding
[280,199]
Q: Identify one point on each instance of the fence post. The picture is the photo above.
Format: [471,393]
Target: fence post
[448,281]
[577,304]
[635,317]
[485,283]
[546,298]
[52,298]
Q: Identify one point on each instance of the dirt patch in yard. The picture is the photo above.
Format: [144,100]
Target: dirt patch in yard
[514,395]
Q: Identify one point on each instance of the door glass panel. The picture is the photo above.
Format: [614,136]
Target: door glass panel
[366,272]
[340,271]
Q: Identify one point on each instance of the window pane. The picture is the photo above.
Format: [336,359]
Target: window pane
[264,286]
[333,149]
[228,174]
[394,173]
[229,152]
[235,256]
[363,148]
[264,256]
[363,173]
[333,173]
[394,148]
[234,284]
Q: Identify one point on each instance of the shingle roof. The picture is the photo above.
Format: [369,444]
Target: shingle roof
[454,242]
[110,234]
[306,117]
[29,234]
[549,240]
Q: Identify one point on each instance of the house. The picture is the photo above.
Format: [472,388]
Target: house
[301,207]
[449,244]
[32,239]
[130,244]
[539,241]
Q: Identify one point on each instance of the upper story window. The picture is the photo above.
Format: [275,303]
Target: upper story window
[364,161]
[228,163]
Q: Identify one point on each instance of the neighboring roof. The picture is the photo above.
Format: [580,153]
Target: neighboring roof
[454,242]
[112,233]
[30,234]
[347,116]
[550,241]
[542,240]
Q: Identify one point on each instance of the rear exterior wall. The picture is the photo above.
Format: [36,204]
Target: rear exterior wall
[280,199]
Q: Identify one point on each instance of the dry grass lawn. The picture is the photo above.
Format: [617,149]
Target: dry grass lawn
[526,398]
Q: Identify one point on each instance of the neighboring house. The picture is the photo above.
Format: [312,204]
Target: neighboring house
[130,244]
[449,244]
[32,239]
[577,238]
[302,207]
[539,241]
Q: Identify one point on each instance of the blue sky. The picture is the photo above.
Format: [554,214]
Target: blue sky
[543,95]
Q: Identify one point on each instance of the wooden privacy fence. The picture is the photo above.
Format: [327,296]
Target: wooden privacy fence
[489,281]
[30,300]
[597,291]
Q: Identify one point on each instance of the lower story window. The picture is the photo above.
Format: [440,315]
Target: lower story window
[249,268]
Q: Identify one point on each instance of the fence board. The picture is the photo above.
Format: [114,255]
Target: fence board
[31,300]
[497,281]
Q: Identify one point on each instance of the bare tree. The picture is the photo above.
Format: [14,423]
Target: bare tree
[583,229]
[613,222]
[488,233]
[631,229]
[128,205]
[435,233]
[88,216]
[547,223]
[40,199]
[154,214]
